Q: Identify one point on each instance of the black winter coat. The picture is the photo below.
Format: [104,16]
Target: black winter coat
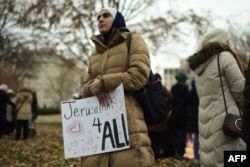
[178,119]
[193,108]
[246,109]
[4,100]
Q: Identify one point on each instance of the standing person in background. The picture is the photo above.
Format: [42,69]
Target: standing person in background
[169,143]
[34,106]
[193,112]
[158,132]
[109,66]
[11,113]
[178,119]
[246,110]
[24,98]
[168,94]
[34,110]
[213,142]
[4,100]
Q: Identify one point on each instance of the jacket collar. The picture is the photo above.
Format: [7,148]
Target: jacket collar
[117,36]
[199,61]
[205,54]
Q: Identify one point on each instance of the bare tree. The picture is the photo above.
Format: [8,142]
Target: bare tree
[12,38]
[174,27]
[66,26]
[16,58]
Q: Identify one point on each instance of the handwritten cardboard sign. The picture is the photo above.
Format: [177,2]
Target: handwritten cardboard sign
[89,128]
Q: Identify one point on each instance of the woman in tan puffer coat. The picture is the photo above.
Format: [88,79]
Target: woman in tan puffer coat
[24,112]
[213,142]
[109,66]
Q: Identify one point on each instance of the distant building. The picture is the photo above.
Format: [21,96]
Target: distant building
[55,79]
[169,74]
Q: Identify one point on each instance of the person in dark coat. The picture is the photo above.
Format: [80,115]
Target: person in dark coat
[193,112]
[4,100]
[246,110]
[169,96]
[34,110]
[11,113]
[34,106]
[158,132]
[178,119]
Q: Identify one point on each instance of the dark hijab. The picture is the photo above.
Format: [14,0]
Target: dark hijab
[119,22]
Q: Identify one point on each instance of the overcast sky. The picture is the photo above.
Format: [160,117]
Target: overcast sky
[221,7]
[236,9]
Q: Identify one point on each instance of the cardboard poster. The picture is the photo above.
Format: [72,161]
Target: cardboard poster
[89,128]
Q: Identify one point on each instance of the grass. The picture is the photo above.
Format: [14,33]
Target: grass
[57,125]
[46,150]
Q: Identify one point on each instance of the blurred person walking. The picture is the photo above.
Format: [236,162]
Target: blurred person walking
[216,47]
[109,66]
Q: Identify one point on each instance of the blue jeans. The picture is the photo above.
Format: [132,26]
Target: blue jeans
[196,146]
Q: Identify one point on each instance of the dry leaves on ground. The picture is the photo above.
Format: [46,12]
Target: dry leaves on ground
[46,150]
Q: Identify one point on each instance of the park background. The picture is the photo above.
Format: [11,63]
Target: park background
[45,45]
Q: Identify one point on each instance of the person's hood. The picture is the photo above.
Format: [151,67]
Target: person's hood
[181,77]
[215,35]
[213,43]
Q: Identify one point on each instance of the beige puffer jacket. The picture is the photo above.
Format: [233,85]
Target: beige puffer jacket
[112,65]
[23,104]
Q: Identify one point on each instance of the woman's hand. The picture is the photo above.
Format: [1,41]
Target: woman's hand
[104,98]
[95,87]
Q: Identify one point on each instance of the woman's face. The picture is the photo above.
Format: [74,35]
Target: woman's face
[105,21]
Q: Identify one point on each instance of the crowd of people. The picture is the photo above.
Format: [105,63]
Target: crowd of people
[196,110]
[18,112]
[169,138]
[199,110]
